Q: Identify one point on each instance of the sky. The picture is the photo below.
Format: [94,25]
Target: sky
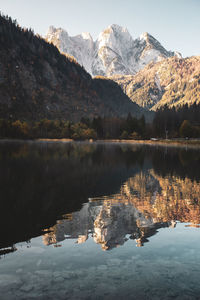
[175,23]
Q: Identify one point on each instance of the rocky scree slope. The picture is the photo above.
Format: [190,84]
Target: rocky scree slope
[171,82]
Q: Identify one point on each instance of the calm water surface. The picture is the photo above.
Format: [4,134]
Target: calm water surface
[99,221]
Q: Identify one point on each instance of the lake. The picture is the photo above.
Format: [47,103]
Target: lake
[99,221]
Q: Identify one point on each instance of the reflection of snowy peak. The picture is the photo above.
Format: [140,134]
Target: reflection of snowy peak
[114,52]
[145,203]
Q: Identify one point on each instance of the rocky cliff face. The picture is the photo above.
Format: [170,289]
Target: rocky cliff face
[81,47]
[114,51]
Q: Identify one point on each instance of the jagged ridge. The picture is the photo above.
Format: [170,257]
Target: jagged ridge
[114,51]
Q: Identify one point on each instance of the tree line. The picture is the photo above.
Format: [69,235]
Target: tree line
[167,123]
[177,122]
[97,128]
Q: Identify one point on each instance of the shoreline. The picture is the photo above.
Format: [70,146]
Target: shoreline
[161,142]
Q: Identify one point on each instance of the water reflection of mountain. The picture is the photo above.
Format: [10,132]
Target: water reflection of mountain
[110,222]
[40,182]
[172,198]
[146,202]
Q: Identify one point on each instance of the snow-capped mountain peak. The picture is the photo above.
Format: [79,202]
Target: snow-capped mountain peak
[51,30]
[86,36]
[144,36]
[114,34]
[114,51]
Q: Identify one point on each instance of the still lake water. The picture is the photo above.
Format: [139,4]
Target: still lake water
[99,221]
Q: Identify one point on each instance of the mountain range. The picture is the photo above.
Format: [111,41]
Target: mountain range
[52,78]
[149,75]
[114,51]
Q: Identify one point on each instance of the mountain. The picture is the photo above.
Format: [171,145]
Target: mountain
[151,76]
[114,51]
[37,81]
[171,82]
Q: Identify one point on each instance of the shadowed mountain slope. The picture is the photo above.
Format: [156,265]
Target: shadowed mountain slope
[37,81]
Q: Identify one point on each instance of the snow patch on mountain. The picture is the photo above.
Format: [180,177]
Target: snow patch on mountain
[157,81]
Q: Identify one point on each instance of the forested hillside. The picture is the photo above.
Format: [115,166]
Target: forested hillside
[37,81]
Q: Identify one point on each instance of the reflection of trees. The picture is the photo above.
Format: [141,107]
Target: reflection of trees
[180,162]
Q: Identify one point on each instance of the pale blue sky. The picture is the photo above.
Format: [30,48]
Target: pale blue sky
[175,23]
